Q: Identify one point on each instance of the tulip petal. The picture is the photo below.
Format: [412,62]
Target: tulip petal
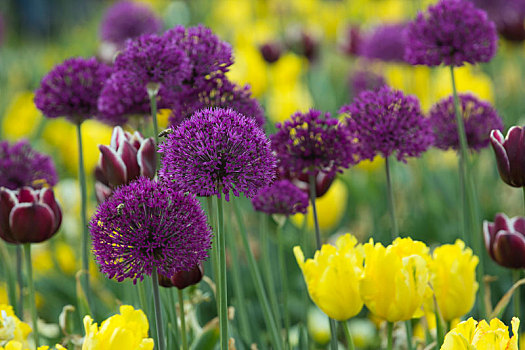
[27,195]
[32,222]
[488,237]
[147,158]
[518,223]
[128,154]
[502,159]
[7,202]
[113,166]
[509,249]
[47,196]
[117,137]
[515,147]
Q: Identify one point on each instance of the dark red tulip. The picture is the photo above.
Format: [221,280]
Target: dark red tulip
[505,240]
[271,51]
[350,44]
[127,157]
[323,181]
[183,279]
[510,155]
[28,215]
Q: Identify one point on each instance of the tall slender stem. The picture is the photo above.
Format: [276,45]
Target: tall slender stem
[158,310]
[267,266]
[348,336]
[391,202]
[517,295]
[313,195]
[440,335]
[10,278]
[408,327]
[214,250]
[30,284]
[257,280]
[153,90]
[284,282]
[223,291]
[20,280]
[389,335]
[83,219]
[172,303]
[182,320]
[143,300]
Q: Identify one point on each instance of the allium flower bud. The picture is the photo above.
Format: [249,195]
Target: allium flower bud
[125,159]
[183,279]
[505,240]
[510,155]
[28,215]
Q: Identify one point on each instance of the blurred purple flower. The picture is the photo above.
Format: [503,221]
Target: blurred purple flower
[451,32]
[146,225]
[352,41]
[21,165]
[28,215]
[127,20]
[508,15]
[271,51]
[386,43]
[505,240]
[479,119]
[363,80]
[510,155]
[281,197]
[386,122]
[218,151]
[71,89]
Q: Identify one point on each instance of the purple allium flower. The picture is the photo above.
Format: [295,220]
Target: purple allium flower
[509,16]
[480,118]
[311,142]
[209,56]
[71,89]
[386,43]
[365,79]
[217,151]
[451,32]
[386,122]
[220,93]
[282,197]
[127,20]
[147,225]
[21,165]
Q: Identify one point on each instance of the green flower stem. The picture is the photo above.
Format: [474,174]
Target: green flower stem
[152,94]
[172,307]
[267,268]
[214,249]
[284,282]
[10,278]
[244,322]
[391,202]
[143,300]
[30,284]
[517,295]
[158,310]
[348,335]
[223,291]
[83,220]
[389,331]
[257,280]
[313,195]
[470,212]
[20,280]
[182,320]
[408,327]
[440,335]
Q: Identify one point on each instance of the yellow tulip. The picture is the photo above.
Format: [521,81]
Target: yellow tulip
[453,279]
[395,279]
[16,345]
[471,335]
[11,328]
[332,277]
[128,330]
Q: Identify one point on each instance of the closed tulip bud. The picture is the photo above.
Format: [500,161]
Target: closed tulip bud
[28,215]
[395,279]
[453,279]
[271,51]
[127,157]
[510,155]
[505,240]
[183,279]
[473,335]
[332,277]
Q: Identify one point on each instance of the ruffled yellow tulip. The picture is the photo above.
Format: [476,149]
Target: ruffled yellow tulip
[453,278]
[471,335]
[395,279]
[129,330]
[11,328]
[332,277]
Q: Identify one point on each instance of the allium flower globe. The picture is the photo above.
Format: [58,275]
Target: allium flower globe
[363,80]
[218,151]
[282,197]
[452,32]
[146,225]
[386,43]
[21,165]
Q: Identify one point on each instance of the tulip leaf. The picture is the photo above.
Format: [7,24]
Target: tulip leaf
[504,301]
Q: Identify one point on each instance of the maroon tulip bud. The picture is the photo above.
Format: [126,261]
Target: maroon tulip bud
[271,51]
[183,279]
[505,240]
[323,182]
[350,44]
[510,155]
[125,159]
[28,215]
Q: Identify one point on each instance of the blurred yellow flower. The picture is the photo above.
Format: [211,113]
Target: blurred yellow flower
[66,258]
[471,335]
[15,345]
[468,79]
[21,118]
[249,68]
[11,328]
[453,279]
[318,326]
[330,208]
[332,277]
[127,330]
[395,279]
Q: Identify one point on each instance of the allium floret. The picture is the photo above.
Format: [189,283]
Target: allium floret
[282,197]
[147,225]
